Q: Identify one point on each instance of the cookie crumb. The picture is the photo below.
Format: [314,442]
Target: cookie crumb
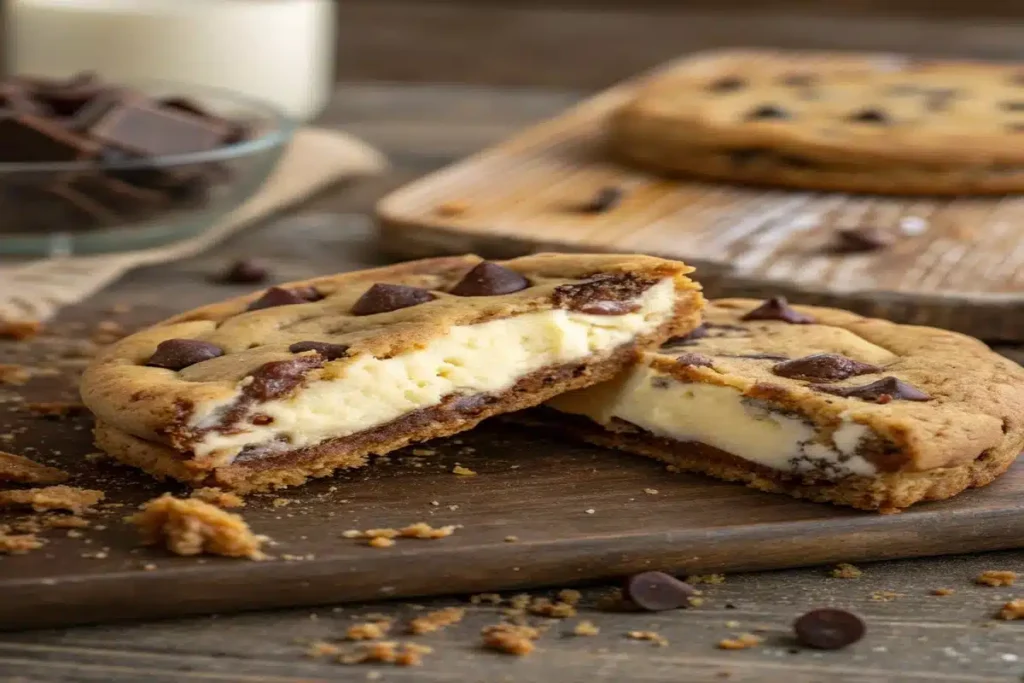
[192,527]
[381,542]
[511,539]
[56,409]
[424,530]
[519,601]
[996,578]
[570,595]
[651,492]
[149,567]
[463,471]
[215,496]
[368,630]
[481,598]
[885,596]
[19,544]
[19,330]
[1012,610]
[59,521]
[741,642]
[452,207]
[321,648]
[387,652]
[705,578]
[423,451]
[512,639]
[437,620]
[844,570]
[21,470]
[652,636]
[14,375]
[546,608]
[68,498]
[586,628]
[943,591]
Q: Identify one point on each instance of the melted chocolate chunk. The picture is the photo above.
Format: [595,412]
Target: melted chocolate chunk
[175,354]
[244,272]
[768,112]
[694,359]
[696,333]
[829,629]
[325,349]
[277,296]
[276,379]
[777,308]
[727,84]
[606,199]
[829,367]
[658,591]
[869,116]
[490,279]
[382,298]
[884,390]
[862,239]
[603,294]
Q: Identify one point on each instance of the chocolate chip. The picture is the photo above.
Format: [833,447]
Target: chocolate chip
[869,116]
[777,308]
[742,157]
[727,84]
[824,366]
[175,354]
[244,272]
[490,279]
[767,112]
[658,591]
[277,296]
[606,199]
[829,629]
[696,333]
[603,294]
[799,80]
[382,298]
[325,349]
[694,359]
[862,239]
[275,379]
[883,391]
[1012,106]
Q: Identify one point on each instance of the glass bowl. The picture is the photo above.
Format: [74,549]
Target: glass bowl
[120,203]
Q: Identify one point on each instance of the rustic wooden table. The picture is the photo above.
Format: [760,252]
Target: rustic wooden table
[912,634]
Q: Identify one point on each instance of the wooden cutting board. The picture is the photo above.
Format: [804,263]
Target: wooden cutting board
[577,514]
[958,263]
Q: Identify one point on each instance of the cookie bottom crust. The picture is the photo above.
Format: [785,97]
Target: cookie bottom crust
[456,414]
[886,492]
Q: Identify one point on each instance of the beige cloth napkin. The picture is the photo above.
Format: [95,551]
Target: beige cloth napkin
[316,158]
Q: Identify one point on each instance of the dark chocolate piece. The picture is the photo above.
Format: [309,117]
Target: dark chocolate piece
[382,298]
[862,239]
[869,116]
[777,308]
[32,139]
[141,128]
[884,390]
[490,279]
[278,378]
[605,199]
[696,333]
[176,354]
[277,296]
[768,112]
[326,349]
[694,359]
[658,591]
[611,294]
[727,84]
[829,367]
[829,629]
[244,272]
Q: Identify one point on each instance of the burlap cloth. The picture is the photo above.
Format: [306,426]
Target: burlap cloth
[37,290]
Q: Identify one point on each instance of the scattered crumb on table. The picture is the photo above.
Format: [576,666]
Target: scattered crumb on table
[381,542]
[321,648]
[885,596]
[68,498]
[1012,610]
[544,607]
[437,620]
[21,470]
[463,471]
[192,526]
[996,577]
[569,595]
[652,636]
[586,628]
[19,330]
[512,639]
[943,591]
[481,598]
[705,578]
[741,642]
[215,496]
[387,652]
[368,630]
[14,375]
[844,570]
[19,544]
[57,409]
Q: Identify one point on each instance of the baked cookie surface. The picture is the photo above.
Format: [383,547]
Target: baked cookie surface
[847,122]
[815,402]
[298,380]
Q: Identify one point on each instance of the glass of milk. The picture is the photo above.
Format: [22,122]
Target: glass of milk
[280,51]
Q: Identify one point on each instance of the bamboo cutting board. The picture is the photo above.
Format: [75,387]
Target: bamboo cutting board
[958,263]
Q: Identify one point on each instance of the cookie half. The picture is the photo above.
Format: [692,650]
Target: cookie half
[267,390]
[814,402]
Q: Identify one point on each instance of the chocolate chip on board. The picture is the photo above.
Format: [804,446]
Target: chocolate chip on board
[658,591]
[278,296]
[861,239]
[694,359]
[884,390]
[176,354]
[490,279]
[326,349]
[383,298]
[829,629]
[829,367]
[777,308]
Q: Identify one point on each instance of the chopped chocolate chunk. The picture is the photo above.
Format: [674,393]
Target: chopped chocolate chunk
[605,199]
[869,116]
[382,298]
[276,379]
[603,294]
[142,128]
[829,629]
[658,591]
[727,84]
[828,367]
[868,238]
[175,354]
[777,308]
[277,296]
[244,272]
[325,349]
[883,391]
[1012,106]
[28,138]
[767,112]
[696,333]
[694,359]
[490,279]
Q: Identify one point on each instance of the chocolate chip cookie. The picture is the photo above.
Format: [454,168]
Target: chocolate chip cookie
[814,402]
[846,122]
[298,380]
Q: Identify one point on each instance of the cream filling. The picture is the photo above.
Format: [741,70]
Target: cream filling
[485,358]
[718,416]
